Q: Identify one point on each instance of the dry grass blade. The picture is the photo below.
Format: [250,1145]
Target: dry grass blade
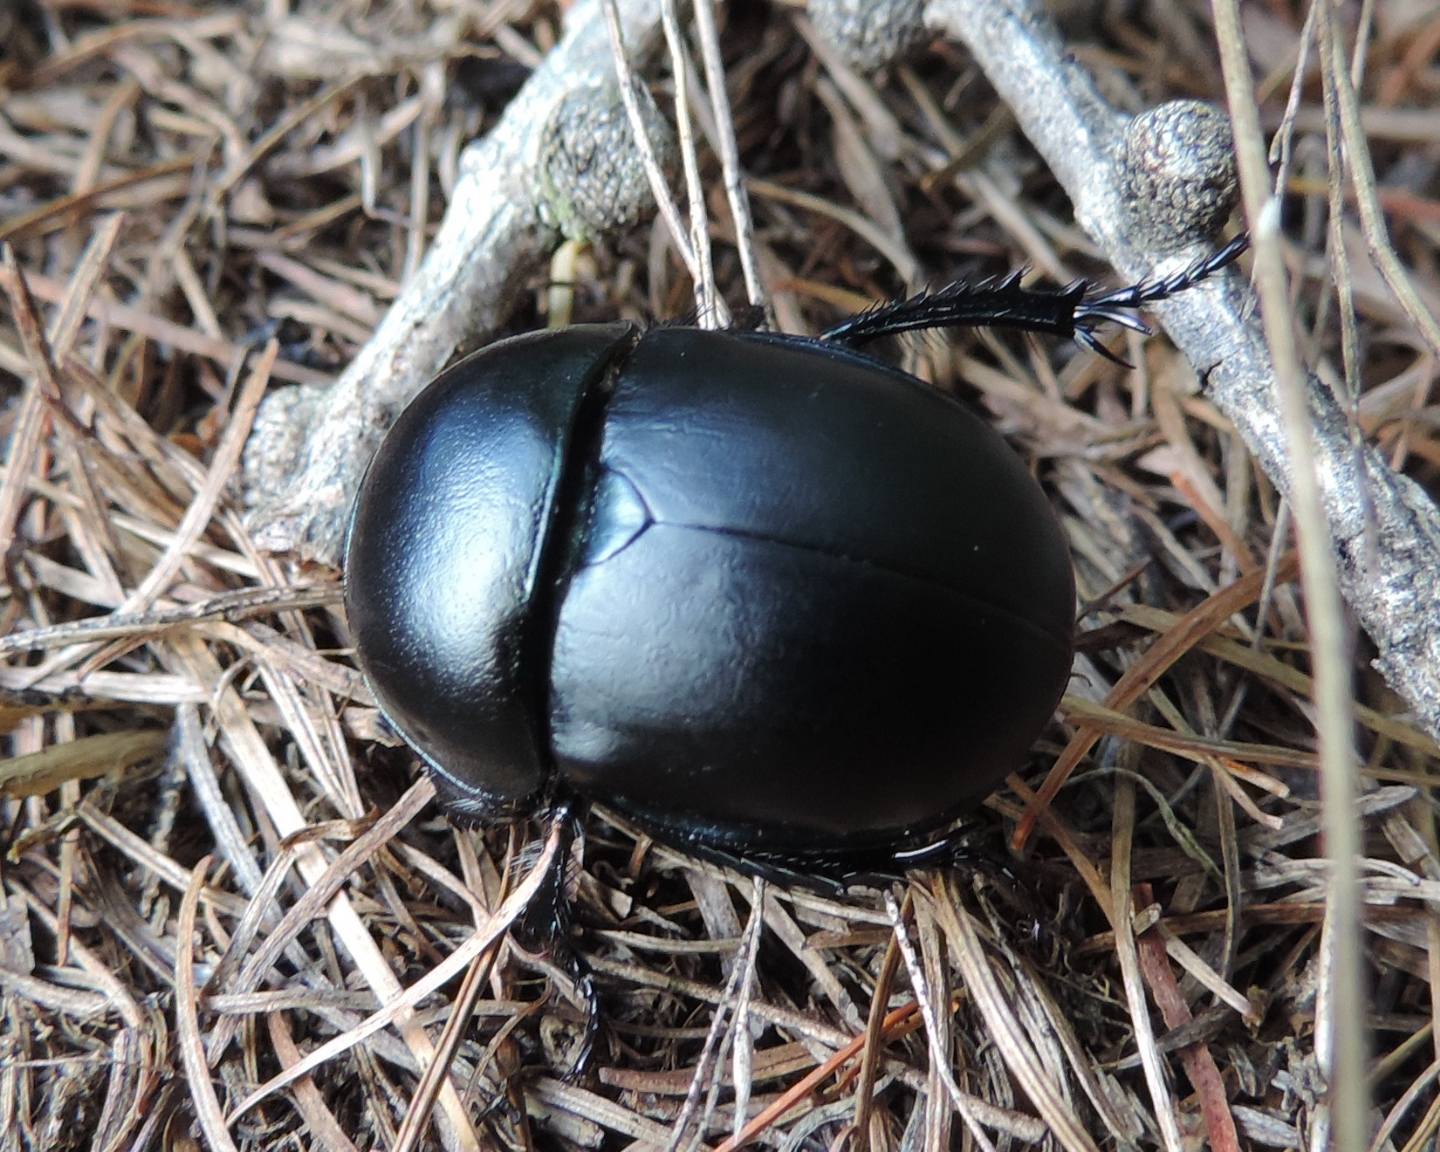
[232,607]
[192,1050]
[1188,631]
[735,194]
[37,773]
[710,309]
[996,1010]
[62,212]
[399,1007]
[202,508]
[417,1118]
[737,993]
[1199,1063]
[1127,953]
[148,325]
[1278,672]
[1342,1035]
[321,1121]
[308,906]
[679,235]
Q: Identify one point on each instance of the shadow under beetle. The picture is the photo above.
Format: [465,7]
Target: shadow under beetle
[776,602]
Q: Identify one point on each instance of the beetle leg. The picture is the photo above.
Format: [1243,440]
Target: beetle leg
[1074,311]
[783,869]
[582,982]
[958,848]
[544,927]
[748,319]
[999,302]
[831,874]
[838,873]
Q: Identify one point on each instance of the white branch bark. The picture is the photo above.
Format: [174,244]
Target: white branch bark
[1384,529]
[310,446]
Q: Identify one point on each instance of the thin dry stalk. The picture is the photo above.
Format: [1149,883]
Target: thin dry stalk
[1342,1017]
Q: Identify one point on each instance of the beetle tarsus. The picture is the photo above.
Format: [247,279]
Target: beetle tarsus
[1114,306]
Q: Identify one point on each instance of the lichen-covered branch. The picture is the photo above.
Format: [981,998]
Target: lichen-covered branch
[1384,530]
[556,164]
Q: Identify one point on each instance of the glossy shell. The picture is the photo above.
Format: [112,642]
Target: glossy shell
[759,593]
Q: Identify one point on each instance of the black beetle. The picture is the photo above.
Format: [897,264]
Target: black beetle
[773,600]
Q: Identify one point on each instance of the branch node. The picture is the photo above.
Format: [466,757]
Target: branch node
[592,183]
[1177,174]
[871,34]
